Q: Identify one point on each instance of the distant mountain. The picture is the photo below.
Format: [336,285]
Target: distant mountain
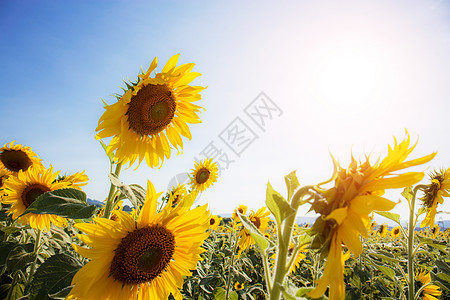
[100,204]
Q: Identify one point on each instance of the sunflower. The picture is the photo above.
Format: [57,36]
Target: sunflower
[238,286]
[204,174]
[430,290]
[177,193]
[395,232]
[242,209]
[433,195]
[214,222]
[144,258]
[261,221]
[434,231]
[76,180]
[15,158]
[25,188]
[382,230]
[152,114]
[346,207]
[3,176]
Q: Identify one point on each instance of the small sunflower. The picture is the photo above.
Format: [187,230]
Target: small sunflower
[3,176]
[76,180]
[300,256]
[177,193]
[15,158]
[152,114]
[238,286]
[382,230]
[395,232]
[261,221]
[433,195]
[204,175]
[214,222]
[430,290]
[434,231]
[144,258]
[242,209]
[25,188]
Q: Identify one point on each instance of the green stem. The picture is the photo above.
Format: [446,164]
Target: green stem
[112,194]
[231,266]
[411,244]
[35,253]
[11,288]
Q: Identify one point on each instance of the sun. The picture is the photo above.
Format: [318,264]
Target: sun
[349,76]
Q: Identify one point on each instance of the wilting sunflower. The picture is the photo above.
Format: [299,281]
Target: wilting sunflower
[345,209]
[395,232]
[15,158]
[25,188]
[242,209]
[238,286]
[433,195]
[152,115]
[204,175]
[144,258]
[431,290]
[214,222]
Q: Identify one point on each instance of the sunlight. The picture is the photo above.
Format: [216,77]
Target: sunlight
[350,76]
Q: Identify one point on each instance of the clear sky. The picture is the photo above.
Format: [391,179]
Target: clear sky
[345,76]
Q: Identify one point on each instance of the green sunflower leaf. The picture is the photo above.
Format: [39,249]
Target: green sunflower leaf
[291,183]
[68,203]
[391,216]
[126,191]
[19,257]
[54,277]
[277,205]
[138,192]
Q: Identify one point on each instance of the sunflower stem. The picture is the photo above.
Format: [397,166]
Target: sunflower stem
[13,283]
[412,223]
[35,253]
[112,193]
[230,267]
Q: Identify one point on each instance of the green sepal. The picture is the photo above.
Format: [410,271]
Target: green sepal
[277,205]
[68,203]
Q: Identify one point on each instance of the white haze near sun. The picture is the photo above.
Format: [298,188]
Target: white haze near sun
[348,76]
[347,79]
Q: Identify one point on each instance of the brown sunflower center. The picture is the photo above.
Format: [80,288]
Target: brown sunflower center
[143,255]
[241,211]
[256,221]
[32,192]
[212,221]
[202,175]
[151,109]
[15,160]
[396,231]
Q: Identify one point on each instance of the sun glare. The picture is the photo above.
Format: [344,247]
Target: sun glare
[348,76]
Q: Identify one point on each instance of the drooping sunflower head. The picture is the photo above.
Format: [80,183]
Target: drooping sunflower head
[25,188]
[395,233]
[152,115]
[423,278]
[15,158]
[238,286]
[204,174]
[242,209]
[438,188]
[145,258]
[75,181]
[214,222]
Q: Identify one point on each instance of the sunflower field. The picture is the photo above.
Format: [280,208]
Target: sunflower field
[56,245]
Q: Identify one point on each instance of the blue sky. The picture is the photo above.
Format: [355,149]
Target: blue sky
[347,77]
